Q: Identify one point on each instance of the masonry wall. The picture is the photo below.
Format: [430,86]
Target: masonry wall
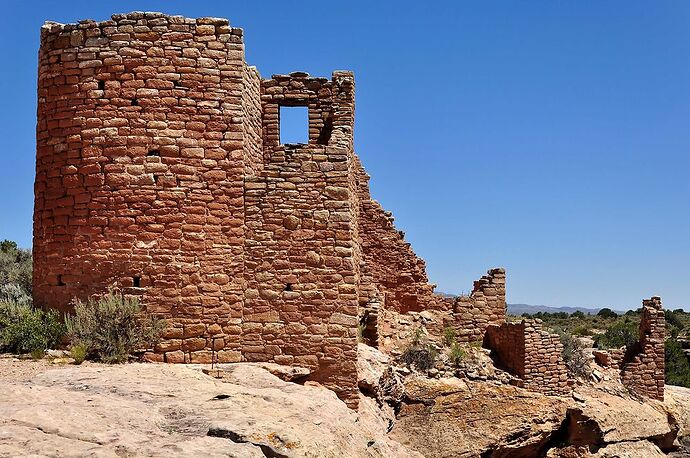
[150,138]
[485,306]
[252,134]
[643,372]
[302,259]
[531,354]
[139,174]
[301,297]
[395,268]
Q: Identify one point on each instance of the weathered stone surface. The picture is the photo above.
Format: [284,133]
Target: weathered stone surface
[283,372]
[635,449]
[453,417]
[167,410]
[615,419]
[371,364]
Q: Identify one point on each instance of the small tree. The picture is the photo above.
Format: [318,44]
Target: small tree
[607,313]
[624,331]
[677,365]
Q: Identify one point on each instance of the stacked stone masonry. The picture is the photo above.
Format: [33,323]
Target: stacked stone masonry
[642,365]
[530,353]
[485,306]
[643,370]
[160,172]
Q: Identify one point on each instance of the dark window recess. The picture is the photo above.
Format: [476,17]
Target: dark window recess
[135,103]
[155,179]
[326,131]
[154,152]
[177,83]
[101,85]
[59,281]
[136,282]
[294,125]
[288,287]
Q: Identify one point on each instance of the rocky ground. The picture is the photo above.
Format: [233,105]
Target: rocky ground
[172,410]
[50,409]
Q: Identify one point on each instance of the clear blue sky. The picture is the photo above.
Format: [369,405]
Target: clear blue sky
[549,137]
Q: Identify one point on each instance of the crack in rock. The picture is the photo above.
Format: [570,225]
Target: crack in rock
[267,450]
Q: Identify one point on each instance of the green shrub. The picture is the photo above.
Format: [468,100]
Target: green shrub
[574,355]
[78,352]
[360,332]
[112,327]
[456,354]
[607,313]
[12,292]
[418,335]
[582,330]
[677,365]
[24,329]
[448,336]
[624,332]
[15,266]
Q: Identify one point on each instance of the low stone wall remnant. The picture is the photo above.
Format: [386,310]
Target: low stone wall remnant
[532,354]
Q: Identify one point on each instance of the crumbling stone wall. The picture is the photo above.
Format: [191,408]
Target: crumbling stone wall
[469,316]
[395,268]
[485,306]
[530,353]
[643,371]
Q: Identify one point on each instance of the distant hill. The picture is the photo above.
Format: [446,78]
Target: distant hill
[519,309]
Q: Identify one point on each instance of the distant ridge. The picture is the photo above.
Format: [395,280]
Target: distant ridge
[519,309]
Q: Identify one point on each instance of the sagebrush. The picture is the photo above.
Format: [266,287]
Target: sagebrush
[422,357]
[574,355]
[24,329]
[112,327]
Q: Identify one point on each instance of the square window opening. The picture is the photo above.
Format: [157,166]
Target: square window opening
[294,125]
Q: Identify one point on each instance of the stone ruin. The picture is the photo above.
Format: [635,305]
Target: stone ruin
[534,355]
[642,366]
[160,171]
